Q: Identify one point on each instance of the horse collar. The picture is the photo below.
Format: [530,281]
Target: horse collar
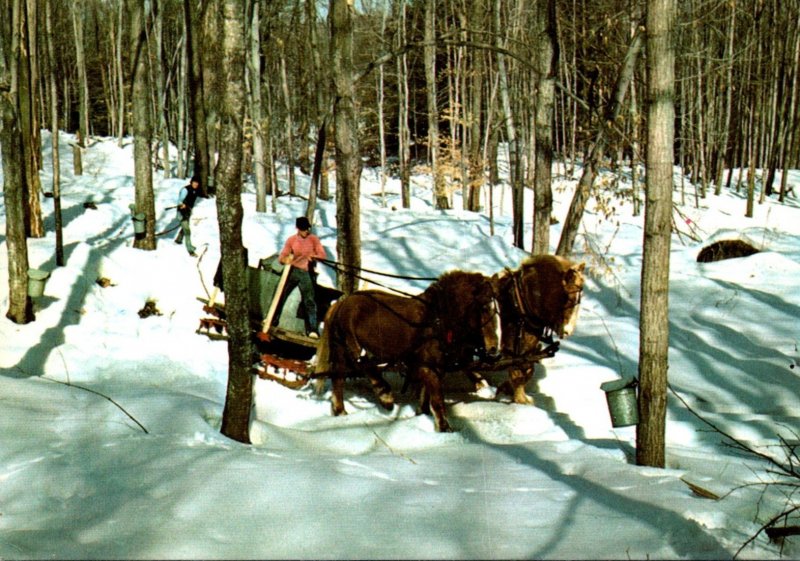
[526,314]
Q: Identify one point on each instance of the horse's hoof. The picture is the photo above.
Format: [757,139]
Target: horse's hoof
[524,399]
[387,404]
[444,427]
[505,388]
[319,386]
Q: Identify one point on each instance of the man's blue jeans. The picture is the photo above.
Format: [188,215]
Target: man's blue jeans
[301,279]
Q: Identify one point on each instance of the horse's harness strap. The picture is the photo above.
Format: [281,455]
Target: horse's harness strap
[526,315]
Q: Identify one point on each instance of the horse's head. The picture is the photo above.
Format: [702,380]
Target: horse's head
[548,292]
[469,308]
[486,303]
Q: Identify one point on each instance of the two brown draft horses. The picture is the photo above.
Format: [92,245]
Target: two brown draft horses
[368,328]
[539,299]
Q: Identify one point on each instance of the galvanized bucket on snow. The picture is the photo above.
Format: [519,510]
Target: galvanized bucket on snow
[36,281]
[622,403]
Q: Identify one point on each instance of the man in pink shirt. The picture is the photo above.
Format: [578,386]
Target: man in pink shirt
[300,251]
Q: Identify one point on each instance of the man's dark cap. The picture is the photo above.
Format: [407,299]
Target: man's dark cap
[302,223]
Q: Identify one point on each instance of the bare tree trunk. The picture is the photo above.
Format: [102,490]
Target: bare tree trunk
[723,158]
[259,131]
[473,100]
[441,200]
[142,124]
[635,120]
[699,149]
[404,135]
[288,126]
[380,92]
[20,308]
[778,113]
[570,229]
[78,9]
[239,396]
[28,119]
[514,151]
[202,164]
[322,111]
[54,135]
[348,161]
[157,9]
[654,321]
[546,65]
[790,128]
[182,136]
[120,74]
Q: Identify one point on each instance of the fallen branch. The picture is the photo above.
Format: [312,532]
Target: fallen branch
[701,491]
[95,392]
[775,533]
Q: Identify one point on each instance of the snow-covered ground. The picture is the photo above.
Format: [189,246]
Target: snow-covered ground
[79,478]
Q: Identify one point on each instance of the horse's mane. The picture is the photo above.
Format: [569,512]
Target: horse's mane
[537,261]
[448,295]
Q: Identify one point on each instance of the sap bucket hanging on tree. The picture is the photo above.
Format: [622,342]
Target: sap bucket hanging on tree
[138,222]
[36,281]
[622,403]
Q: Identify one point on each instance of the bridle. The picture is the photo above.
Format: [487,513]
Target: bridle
[529,317]
[453,358]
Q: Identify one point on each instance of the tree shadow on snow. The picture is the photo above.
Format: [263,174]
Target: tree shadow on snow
[33,361]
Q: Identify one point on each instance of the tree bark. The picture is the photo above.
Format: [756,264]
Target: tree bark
[239,397]
[654,320]
[440,197]
[288,125]
[348,161]
[514,150]
[722,157]
[20,308]
[403,133]
[78,9]
[142,124]
[202,166]
[547,66]
[27,103]
[259,130]
[54,134]
[157,10]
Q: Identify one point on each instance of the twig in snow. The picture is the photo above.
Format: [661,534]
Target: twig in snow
[95,392]
[382,441]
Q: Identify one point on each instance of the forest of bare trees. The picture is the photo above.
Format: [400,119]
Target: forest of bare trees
[438,84]
[435,83]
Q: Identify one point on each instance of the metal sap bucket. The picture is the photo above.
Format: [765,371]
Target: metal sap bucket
[138,223]
[36,281]
[622,403]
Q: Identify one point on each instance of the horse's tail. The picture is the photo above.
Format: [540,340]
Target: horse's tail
[323,361]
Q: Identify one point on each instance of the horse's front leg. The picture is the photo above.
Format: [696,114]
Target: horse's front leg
[432,392]
[337,395]
[477,380]
[382,389]
[518,378]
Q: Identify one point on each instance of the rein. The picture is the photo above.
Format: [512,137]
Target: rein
[341,268]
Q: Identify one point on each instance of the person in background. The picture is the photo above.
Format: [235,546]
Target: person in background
[186,200]
[299,252]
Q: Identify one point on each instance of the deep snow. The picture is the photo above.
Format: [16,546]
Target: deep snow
[80,479]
